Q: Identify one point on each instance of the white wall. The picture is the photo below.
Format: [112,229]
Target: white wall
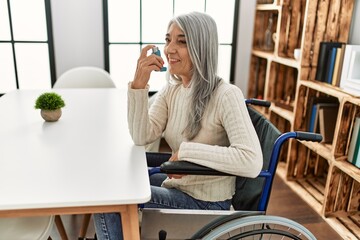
[244,43]
[355,24]
[78,33]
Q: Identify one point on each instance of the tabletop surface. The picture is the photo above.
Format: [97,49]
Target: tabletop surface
[86,158]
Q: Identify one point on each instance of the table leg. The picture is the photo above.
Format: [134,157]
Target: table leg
[84,225]
[60,227]
[130,222]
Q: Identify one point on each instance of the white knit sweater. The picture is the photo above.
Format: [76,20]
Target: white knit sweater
[227,140]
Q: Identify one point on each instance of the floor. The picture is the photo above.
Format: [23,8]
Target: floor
[283,202]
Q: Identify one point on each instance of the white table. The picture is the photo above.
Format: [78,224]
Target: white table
[84,163]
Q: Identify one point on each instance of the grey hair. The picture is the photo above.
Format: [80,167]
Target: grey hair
[202,43]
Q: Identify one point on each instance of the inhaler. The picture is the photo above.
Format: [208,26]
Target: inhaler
[155,50]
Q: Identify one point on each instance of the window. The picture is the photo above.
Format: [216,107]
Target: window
[130,25]
[26,52]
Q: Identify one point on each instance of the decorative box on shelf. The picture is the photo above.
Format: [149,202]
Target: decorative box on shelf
[350,75]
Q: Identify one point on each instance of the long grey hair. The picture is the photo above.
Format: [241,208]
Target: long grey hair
[202,43]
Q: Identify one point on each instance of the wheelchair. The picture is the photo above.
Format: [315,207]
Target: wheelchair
[249,219]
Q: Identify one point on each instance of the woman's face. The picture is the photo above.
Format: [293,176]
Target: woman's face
[177,54]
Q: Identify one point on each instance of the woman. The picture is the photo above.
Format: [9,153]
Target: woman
[203,119]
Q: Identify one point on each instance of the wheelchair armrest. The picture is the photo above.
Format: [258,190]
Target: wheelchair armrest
[184,167]
[258,102]
[188,168]
[309,136]
[155,159]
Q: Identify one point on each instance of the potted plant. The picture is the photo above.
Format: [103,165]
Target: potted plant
[50,104]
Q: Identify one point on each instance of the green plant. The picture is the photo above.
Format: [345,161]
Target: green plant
[49,101]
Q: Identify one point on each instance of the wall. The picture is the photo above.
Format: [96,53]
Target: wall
[78,33]
[355,24]
[244,43]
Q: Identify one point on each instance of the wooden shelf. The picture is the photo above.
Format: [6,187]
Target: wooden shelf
[268,7]
[287,61]
[321,149]
[349,169]
[316,204]
[271,57]
[263,54]
[353,100]
[312,194]
[288,115]
[347,230]
[318,172]
[325,88]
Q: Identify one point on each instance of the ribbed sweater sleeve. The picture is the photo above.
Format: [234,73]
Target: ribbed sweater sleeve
[145,126]
[243,157]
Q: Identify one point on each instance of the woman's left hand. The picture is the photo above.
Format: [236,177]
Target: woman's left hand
[175,157]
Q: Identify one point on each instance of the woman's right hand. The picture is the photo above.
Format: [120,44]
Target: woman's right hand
[145,65]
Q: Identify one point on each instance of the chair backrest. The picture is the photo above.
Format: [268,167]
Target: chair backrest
[249,190]
[85,77]
[25,228]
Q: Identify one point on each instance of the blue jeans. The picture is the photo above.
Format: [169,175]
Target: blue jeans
[108,225]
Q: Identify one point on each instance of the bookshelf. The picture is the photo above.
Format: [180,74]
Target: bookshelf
[319,172]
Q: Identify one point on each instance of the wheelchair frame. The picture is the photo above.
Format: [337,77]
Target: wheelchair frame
[242,218]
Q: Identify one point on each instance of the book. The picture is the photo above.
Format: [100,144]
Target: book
[337,77]
[327,120]
[330,65]
[314,119]
[355,157]
[319,122]
[324,51]
[354,138]
[312,110]
[336,66]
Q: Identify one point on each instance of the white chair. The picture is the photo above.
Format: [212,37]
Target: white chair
[25,228]
[85,77]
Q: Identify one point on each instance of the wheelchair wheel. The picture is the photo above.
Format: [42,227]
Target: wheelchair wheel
[258,227]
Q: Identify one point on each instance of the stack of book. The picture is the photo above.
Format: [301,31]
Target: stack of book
[354,151]
[330,62]
[322,114]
